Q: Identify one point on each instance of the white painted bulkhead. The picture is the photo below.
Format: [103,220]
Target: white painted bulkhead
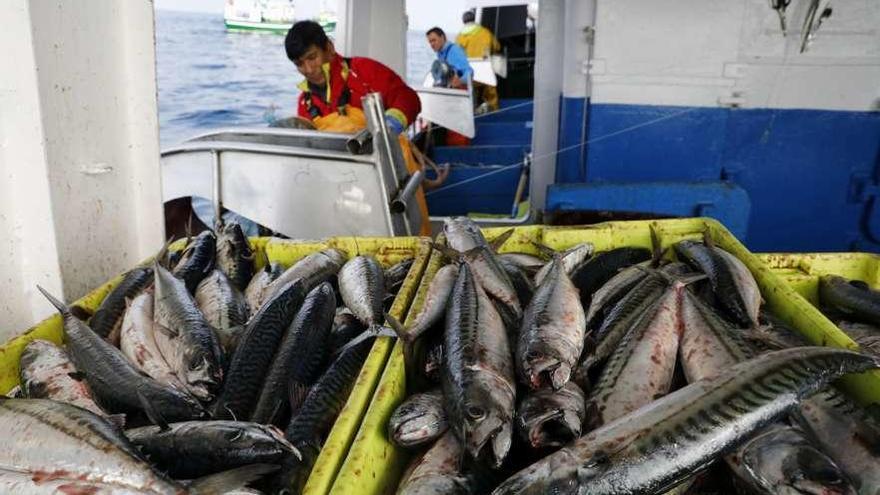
[711,53]
[375,29]
[80,195]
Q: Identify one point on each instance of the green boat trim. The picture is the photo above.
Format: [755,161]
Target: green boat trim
[273,27]
[257,26]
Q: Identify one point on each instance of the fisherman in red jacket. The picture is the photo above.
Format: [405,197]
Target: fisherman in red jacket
[334,85]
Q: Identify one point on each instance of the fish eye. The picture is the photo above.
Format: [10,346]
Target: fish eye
[476,412]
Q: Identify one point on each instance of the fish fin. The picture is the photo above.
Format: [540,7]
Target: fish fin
[261,258]
[407,343]
[690,279]
[499,241]
[232,479]
[656,247]
[296,395]
[60,306]
[117,420]
[707,238]
[80,312]
[161,258]
[447,251]
[400,331]
[152,414]
[545,250]
[77,375]
[188,229]
[166,331]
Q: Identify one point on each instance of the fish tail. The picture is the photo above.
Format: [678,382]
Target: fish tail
[60,306]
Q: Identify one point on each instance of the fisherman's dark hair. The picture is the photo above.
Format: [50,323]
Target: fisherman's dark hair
[469,16]
[302,36]
[436,30]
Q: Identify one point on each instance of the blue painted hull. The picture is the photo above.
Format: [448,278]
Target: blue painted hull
[810,177]
[797,166]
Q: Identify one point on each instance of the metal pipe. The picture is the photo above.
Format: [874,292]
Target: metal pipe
[219,146]
[216,199]
[408,192]
[361,143]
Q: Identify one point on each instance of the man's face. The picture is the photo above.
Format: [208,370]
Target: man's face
[309,65]
[436,41]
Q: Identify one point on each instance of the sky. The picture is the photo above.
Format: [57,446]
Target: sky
[423,14]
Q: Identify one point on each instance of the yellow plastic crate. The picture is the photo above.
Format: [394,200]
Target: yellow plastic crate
[374,465]
[387,251]
[802,270]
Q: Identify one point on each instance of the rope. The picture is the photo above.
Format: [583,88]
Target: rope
[563,150]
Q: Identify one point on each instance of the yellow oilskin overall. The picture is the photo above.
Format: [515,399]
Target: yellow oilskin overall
[351,120]
[479,42]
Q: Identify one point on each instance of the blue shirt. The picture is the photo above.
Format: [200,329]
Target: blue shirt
[455,57]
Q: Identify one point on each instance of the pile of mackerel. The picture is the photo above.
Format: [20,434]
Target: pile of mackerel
[855,307]
[629,371]
[197,374]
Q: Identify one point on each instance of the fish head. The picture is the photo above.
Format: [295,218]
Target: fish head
[558,473]
[337,256]
[553,428]
[417,425]
[786,461]
[808,472]
[486,425]
[542,369]
[34,350]
[255,441]
[201,374]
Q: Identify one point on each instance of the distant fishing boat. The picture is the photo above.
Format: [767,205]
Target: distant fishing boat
[268,15]
[327,20]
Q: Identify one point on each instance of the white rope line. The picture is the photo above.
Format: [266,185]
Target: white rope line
[562,150]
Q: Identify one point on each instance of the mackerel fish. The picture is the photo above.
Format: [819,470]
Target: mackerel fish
[300,358]
[260,282]
[193,449]
[780,459]
[478,380]
[224,307]
[113,380]
[592,275]
[572,260]
[851,297]
[641,368]
[253,356]
[731,281]
[656,447]
[418,420]
[70,447]
[313,269]
[551,418]
[552,334]
[188,342]
[319,410]
[46,372]
[108,318]
[462,234]
[437,471]
[197,260]
[235,257]
[362,286]
[138,342]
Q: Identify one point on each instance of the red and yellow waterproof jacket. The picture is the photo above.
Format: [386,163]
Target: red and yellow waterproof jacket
[349,80]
